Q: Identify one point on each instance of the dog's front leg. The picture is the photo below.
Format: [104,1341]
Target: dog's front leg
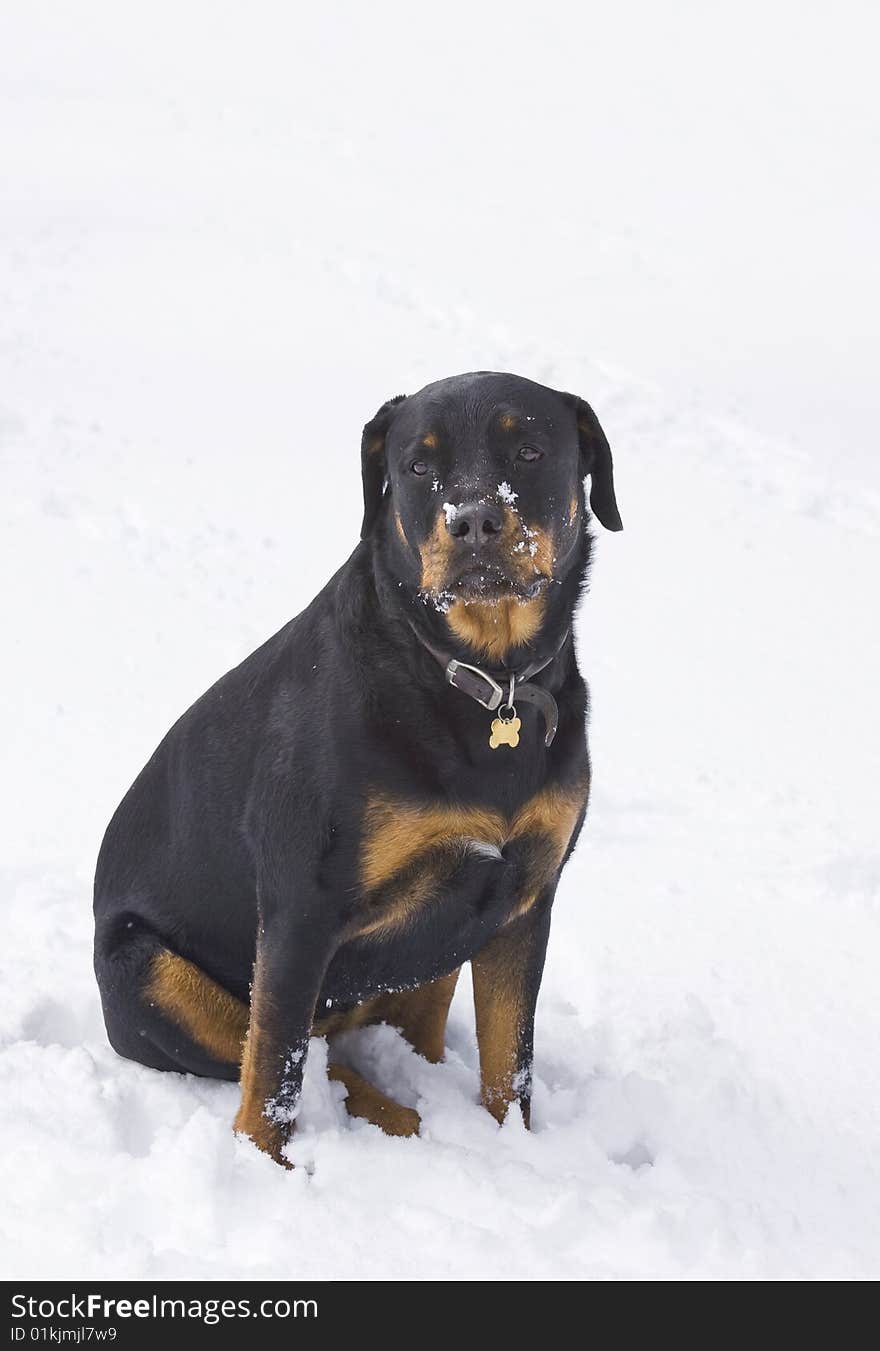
[507,977]
[292,956]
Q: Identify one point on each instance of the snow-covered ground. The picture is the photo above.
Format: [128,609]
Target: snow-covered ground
[227,234]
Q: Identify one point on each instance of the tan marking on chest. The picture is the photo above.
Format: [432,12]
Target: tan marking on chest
[551,817]
[553,812]
[396,833]
[399,836]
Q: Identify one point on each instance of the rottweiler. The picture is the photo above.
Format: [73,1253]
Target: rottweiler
[386,789]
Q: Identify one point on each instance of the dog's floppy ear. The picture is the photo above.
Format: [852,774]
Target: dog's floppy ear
[374,466]
[596,461]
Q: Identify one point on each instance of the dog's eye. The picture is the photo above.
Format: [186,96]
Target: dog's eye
[530,454]
[419,467]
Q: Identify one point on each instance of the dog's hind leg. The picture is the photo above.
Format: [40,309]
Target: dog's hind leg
[165,1012]
[420,1014]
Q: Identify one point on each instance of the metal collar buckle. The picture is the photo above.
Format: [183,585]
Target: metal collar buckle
[476,683]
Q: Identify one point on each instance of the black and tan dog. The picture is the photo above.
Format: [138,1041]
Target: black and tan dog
[386,789]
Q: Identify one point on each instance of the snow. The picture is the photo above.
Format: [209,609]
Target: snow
[219,256]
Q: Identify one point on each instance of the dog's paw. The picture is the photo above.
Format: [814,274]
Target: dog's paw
[401,1121]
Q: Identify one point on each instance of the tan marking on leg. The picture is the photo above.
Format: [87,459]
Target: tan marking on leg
[572,510]
[364,1100]
[499,1011]
[259,1077]
[420,1014]
[213,1018]
[347,1020]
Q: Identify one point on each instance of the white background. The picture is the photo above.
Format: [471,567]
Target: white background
[228,233]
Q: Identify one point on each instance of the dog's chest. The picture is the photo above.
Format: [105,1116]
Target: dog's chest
[442,868]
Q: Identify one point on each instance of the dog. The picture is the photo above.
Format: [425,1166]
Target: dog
[386,789]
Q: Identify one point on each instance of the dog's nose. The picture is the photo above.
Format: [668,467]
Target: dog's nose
[473,523]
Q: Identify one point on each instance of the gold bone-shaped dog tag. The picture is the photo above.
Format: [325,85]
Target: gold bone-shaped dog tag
[504,732]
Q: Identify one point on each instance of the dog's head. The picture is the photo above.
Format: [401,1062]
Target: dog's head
[475,485]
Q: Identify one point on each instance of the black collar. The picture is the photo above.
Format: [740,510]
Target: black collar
[494,693]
